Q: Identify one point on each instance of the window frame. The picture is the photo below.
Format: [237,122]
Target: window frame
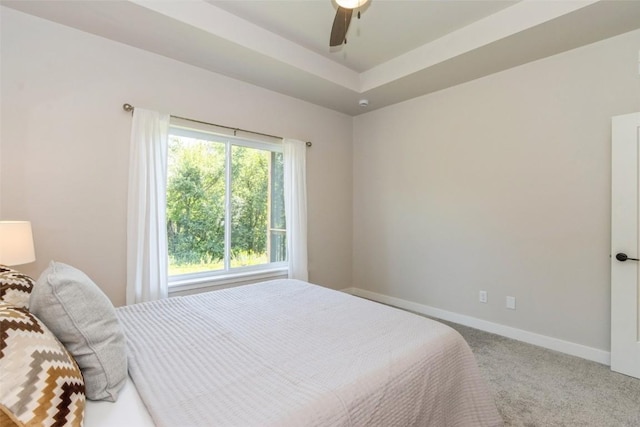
[228,276]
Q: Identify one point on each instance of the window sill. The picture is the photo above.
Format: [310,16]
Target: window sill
[194,285]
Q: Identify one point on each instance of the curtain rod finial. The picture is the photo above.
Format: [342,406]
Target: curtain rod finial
[127,107]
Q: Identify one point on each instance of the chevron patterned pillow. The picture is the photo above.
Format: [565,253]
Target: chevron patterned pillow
[15,287]
[41,383]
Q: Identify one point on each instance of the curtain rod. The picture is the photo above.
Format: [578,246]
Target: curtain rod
[130,108]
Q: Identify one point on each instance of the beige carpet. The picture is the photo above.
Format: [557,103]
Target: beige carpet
[539,387]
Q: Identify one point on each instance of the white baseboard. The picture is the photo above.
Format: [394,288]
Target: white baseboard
[551,343]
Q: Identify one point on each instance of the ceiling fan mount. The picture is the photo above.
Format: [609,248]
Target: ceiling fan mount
[343,19]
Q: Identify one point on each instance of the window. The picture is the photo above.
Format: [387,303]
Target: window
[225,205]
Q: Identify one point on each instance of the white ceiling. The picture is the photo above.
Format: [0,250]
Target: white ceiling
[397,50]
[386,30]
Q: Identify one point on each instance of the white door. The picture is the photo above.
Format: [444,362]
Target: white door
[625,248]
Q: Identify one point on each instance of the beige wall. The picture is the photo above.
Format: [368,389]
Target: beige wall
[64,144]
[501,184]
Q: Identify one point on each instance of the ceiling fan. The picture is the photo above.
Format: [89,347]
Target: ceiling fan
[343,19]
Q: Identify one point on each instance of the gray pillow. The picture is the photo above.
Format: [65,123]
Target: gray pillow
[84,320]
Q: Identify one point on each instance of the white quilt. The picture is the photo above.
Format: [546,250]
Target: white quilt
[287,353]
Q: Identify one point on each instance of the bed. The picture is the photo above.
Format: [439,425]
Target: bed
[278,353]
[288,353]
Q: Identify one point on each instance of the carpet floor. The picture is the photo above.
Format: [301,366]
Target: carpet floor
[534,386]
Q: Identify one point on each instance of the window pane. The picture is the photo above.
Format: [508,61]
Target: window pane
[195,205]
[249,206]
[277,232]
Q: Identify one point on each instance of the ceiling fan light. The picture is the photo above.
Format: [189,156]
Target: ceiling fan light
[351,4]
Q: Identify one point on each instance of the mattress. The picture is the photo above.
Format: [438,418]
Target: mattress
[127,411]
[288,353]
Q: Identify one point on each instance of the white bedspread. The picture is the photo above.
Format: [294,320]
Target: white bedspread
[287,353]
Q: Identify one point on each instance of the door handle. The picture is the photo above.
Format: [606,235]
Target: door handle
[623,257]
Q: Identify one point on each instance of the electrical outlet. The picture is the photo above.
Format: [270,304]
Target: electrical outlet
[511,303]
[483,297]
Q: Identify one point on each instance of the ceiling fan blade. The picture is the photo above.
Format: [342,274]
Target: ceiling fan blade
[340,26]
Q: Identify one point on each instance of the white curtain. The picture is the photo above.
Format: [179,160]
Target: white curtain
[295,206]
[147,271]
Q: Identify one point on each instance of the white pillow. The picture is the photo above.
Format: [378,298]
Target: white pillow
[84,320]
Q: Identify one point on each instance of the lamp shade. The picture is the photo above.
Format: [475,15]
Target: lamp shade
[351,4]
[16,243]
